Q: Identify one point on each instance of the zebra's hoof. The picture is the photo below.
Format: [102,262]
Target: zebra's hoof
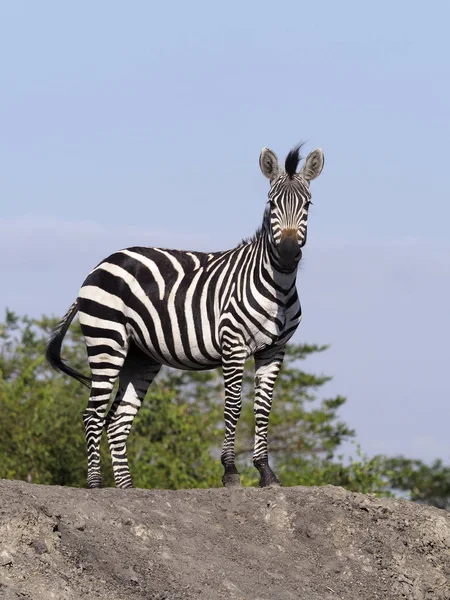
[231,480]
[267,476]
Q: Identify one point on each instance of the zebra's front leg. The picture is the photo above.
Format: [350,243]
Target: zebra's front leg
[233,370]
[266,372]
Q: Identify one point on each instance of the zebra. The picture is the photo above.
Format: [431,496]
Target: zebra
[143,307]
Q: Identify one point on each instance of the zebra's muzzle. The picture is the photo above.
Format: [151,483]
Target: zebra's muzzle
[290,253]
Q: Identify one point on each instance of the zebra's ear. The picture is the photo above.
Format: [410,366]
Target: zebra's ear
[268,162]
[313,165]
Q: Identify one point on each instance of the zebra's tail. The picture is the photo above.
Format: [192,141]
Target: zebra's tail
[53,349]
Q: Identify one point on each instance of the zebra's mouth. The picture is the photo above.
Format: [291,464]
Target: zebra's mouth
[289,265]
[289,254]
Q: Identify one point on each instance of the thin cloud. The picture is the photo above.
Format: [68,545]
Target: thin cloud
[49,243]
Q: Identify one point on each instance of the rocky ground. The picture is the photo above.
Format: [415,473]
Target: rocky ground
[254,544]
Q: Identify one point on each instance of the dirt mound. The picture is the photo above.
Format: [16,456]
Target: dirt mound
[253,544]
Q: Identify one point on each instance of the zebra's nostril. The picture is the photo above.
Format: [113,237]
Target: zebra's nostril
[289,234]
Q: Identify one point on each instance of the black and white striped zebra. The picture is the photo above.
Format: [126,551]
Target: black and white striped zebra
[141,308]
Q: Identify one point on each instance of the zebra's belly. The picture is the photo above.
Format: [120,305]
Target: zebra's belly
[180,356]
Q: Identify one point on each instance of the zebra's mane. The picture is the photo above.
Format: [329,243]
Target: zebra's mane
[292,161]
[252,238]
[290,166]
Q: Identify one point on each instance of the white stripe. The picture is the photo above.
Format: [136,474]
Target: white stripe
[192,336]
[194,259]
[92,321]
[95,341]
[104,357]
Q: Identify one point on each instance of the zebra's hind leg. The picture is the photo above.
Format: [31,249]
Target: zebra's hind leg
[136,375]
[267,368]
[233,370]
[103,381]
[107,347]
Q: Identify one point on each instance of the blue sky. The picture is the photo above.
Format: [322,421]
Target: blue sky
[142,123]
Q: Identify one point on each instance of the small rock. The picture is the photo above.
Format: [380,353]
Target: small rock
[6,559]
[40,546]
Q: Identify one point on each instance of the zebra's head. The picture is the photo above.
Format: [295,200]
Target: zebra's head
[289,198]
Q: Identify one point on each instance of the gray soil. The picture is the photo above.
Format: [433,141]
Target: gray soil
[255,544]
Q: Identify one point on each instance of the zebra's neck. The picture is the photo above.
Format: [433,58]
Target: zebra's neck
[268,268]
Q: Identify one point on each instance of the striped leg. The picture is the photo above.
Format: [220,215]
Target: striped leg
[135,378]
[266,372]
[233,370]
[107,346]
[105,364]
